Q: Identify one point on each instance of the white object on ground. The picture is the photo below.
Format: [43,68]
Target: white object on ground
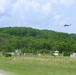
[1,74]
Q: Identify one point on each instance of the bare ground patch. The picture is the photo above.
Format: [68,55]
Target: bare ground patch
[6,73]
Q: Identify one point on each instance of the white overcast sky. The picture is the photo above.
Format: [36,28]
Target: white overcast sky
[39,14]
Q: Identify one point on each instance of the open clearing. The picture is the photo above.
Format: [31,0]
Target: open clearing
[35,65]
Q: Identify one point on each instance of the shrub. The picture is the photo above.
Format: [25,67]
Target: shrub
[7,54]
[66,53]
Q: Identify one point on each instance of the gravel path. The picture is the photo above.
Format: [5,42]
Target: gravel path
[1,74]
[5,73]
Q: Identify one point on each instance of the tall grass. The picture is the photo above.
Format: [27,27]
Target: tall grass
[39,65]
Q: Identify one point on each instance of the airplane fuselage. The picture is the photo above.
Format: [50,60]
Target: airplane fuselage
[67,25]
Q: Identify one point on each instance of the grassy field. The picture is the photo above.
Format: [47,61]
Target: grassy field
[39,65]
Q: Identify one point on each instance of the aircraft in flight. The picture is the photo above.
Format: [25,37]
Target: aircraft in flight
[67,25]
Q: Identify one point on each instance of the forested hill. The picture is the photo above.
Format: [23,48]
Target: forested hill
[34,40]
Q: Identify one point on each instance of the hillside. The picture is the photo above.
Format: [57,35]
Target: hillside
[35,40]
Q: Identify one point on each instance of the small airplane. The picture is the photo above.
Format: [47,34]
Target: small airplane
[67,25]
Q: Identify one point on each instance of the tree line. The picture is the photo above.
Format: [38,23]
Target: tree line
[30,40]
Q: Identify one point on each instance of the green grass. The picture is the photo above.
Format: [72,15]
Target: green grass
[39,65]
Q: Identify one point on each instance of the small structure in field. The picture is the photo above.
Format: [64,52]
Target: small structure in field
[18,52]
[73,55]
[39,54]
[56,53]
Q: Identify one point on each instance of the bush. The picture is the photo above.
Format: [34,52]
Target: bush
[66,53]
[7,54]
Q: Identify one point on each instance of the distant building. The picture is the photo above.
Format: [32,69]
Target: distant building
[73,55]
[39,54]
[56,53]
[18,52]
